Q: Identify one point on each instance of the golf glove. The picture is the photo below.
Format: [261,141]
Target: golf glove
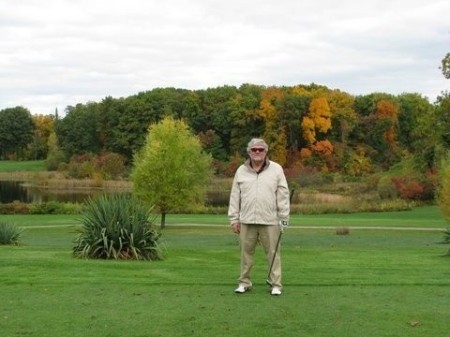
[283,225]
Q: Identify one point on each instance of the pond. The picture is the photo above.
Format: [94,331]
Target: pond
[19,191]
[11,191]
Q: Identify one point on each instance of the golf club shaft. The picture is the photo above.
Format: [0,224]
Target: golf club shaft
[276,247]
[274,256]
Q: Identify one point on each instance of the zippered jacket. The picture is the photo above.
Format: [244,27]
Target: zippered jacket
[259,198]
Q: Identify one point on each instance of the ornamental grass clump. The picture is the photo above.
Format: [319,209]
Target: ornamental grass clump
[10,233]
[117,227]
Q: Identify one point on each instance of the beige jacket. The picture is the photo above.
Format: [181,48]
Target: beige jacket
[259,198]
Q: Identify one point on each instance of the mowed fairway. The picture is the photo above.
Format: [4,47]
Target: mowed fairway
[373,282]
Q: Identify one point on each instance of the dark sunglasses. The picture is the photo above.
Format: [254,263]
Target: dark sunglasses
[257,150]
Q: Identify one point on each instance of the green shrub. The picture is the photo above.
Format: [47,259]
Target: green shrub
[71,208]
[354,206]
[447,236]
[9,233]
[55,207]
[447,239]
[117,227]
[386,188]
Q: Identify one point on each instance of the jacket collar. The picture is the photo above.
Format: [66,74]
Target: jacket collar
[265,165]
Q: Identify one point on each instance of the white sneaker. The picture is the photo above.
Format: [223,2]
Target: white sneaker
[241,289]
[276,291]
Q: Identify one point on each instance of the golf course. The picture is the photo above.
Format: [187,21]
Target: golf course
[388,277]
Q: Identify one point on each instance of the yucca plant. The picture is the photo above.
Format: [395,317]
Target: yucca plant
[117,227]
[10,233]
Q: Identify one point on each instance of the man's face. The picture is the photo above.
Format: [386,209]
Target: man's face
[257,153]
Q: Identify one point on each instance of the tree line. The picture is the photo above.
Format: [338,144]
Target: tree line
[305,125]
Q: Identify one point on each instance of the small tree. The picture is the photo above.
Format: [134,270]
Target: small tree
[55,156]
[444,194]
[171,169]
[444,190]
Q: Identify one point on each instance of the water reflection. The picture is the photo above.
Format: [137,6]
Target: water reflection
[18,191]
[11,191]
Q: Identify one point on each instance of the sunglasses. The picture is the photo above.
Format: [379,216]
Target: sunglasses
[257,149]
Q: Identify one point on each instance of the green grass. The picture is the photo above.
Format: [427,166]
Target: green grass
[421,217]
[14,166]
[369,283]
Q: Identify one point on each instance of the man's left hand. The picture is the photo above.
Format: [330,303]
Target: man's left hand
[283,224]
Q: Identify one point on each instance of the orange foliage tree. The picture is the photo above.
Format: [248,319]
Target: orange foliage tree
[318,120]
[387,111]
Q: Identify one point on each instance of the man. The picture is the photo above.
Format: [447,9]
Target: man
[259,209]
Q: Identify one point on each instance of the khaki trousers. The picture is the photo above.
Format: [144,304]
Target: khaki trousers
[268,236]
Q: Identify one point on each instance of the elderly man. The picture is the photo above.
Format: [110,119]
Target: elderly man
[259,209]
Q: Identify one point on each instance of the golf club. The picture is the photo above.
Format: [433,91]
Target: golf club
[282,225]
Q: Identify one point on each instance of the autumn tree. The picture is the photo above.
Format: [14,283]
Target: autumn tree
[171,169]
[343,115]
[376,130]
[274,132]
[43,127]
[387,113]
[317,120]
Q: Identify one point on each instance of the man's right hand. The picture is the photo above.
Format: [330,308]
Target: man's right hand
[236,227]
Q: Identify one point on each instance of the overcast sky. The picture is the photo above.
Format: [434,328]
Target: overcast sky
[56,53]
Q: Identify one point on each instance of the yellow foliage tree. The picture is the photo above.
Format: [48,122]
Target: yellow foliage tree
[274,133]
[309,131]
[343,114]
[318,118]
[43,127]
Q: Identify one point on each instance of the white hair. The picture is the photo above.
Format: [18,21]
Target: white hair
[259,142]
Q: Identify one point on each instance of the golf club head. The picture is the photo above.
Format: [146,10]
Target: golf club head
[268,283]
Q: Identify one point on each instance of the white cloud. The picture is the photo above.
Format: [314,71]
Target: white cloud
[64,52]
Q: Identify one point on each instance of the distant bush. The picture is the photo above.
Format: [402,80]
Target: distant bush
[386,188]
[15,207]
[354,206]
[106,166]
[414,188]
[309,176]
[51,207]
[81,166]
[9,234]
[408,188]
[111,165]
[55,207]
